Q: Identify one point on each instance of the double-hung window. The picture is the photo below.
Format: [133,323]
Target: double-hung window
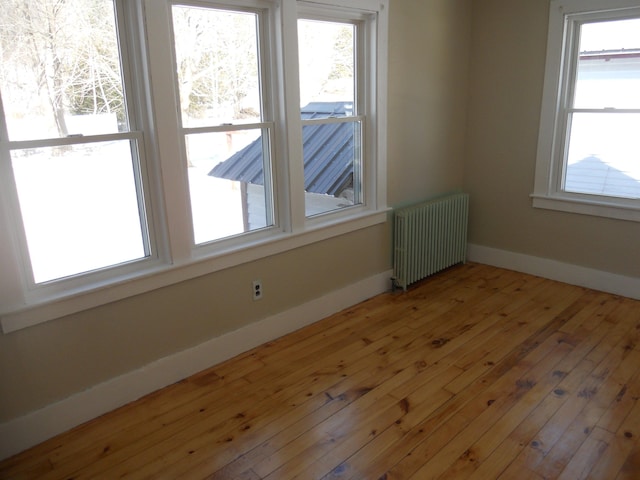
[71,139]
[589,149]
[145,142]
[225,111]
[331,111]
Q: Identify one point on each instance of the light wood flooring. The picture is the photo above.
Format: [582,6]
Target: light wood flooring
[476,372]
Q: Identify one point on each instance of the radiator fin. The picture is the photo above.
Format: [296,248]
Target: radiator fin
[429,237]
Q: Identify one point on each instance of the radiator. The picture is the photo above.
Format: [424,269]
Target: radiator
[429,237]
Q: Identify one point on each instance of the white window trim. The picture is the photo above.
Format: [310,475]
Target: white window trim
[175,259]
[547,193]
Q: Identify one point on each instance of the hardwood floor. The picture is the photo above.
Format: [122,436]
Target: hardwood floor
[476,373]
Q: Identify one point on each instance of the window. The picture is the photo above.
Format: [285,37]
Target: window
[589,151]
[146,142]
[330,113]
[73,143]
[222,106]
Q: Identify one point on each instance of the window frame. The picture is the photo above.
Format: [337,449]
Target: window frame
[32,292]
[174,255]
[360,117]
[565,18]
[266,124]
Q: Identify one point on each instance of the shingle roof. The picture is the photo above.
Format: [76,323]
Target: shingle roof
[328,148]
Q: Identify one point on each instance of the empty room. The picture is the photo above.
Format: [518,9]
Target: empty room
[426,263]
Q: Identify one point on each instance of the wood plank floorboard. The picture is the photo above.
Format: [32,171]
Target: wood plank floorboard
[474,373]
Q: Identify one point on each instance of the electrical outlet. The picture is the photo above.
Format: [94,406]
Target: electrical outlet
[257,289]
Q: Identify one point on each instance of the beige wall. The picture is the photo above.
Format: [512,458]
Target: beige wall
[427,85]
[428,70]
[508,48]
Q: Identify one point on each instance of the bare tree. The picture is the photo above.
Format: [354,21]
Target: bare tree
[63,51]
[216,53]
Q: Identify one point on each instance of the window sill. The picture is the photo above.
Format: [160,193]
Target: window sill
[619,209]
[52,307]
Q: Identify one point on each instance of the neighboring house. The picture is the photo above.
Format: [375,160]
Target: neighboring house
[328,154]
[593,175]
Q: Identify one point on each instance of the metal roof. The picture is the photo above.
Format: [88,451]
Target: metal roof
[328,152]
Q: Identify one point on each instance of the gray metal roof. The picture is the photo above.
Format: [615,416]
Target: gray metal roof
[328,153]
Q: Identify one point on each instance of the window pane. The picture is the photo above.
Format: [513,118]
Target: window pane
[60,69]
[327,63]
[332,166]
[608,74]
[226,182]
[604,155]
[217,61]
[332,150]
[80,207]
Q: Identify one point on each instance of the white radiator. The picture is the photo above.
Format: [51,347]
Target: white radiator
[429,237]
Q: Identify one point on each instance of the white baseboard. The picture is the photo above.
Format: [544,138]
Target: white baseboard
[23,432]
[555,270]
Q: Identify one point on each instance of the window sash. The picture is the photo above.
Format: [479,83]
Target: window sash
[266,125]
[358,165]
[363,84]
